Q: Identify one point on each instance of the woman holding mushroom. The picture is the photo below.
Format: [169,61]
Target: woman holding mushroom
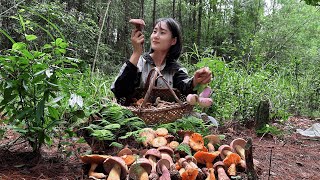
[166,47]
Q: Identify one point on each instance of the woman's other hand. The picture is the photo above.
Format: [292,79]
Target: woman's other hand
[202,76]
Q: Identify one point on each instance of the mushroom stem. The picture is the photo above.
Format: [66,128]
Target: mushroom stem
[211,147]
[144,175]
[210,174]
[165,173]
[115,173]
[226,152]
[222,174]
[240,151]
[232,171]
[91,172]
[153,162]
[186,138]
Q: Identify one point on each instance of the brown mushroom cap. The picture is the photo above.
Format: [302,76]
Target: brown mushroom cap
[162,162]
[125,151]
[111,161]
[159,141]
[141,162]
[166,149]
[149,134]
[94,158]
[191,159]
[169,138]
[196,142]
[139,23]
[238,142]
[219,163]
[181,133]
[153,152]
[162,132]
[213,139]
[173,144]
[223,148]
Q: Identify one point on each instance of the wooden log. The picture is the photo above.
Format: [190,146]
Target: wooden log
[251,173]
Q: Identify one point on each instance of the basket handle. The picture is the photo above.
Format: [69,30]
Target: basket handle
[156,75]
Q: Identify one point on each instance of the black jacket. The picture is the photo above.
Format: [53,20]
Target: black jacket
[131,77]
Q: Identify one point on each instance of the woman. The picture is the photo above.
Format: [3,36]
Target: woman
[165,50]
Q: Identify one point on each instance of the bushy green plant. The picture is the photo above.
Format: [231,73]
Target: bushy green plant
[116,123]
[30,78]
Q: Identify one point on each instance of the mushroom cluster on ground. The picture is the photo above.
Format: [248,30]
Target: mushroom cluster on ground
[161,158]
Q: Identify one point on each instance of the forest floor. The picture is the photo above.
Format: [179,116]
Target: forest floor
[289,156]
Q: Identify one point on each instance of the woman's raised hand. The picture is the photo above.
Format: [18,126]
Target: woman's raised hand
[137,40]
[202,76]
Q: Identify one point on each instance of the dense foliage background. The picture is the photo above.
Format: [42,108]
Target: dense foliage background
[257,50]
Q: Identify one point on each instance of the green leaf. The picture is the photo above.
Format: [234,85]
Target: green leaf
[19,46]
[58,41]
[40,111]
[115,144]
[81,140]
[112,126]
[47,46]
[53,112]
[30,37]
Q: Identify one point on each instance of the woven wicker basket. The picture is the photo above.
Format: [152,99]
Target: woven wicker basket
[159,115]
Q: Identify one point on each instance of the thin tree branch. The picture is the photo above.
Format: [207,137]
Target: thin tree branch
[99,38]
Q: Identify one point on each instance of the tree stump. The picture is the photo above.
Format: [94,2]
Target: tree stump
[262,114]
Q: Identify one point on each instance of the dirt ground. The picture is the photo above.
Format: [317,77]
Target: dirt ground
[288,156]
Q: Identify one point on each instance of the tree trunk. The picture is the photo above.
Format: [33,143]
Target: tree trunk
[252,175]
[154,13]
[142,9]
[262,114]
[179,12]
[199,23]
[173,8]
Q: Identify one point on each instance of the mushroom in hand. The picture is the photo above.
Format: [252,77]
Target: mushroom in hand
[138,23]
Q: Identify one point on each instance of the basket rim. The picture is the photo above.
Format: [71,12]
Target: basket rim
[155,109]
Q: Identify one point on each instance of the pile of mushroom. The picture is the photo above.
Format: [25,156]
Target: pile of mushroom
[161,159]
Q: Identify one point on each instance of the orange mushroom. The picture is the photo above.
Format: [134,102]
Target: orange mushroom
[231,161]
[127,155]
[226,150]
[206,158]
[190,174]
[210,173]
[196,142]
